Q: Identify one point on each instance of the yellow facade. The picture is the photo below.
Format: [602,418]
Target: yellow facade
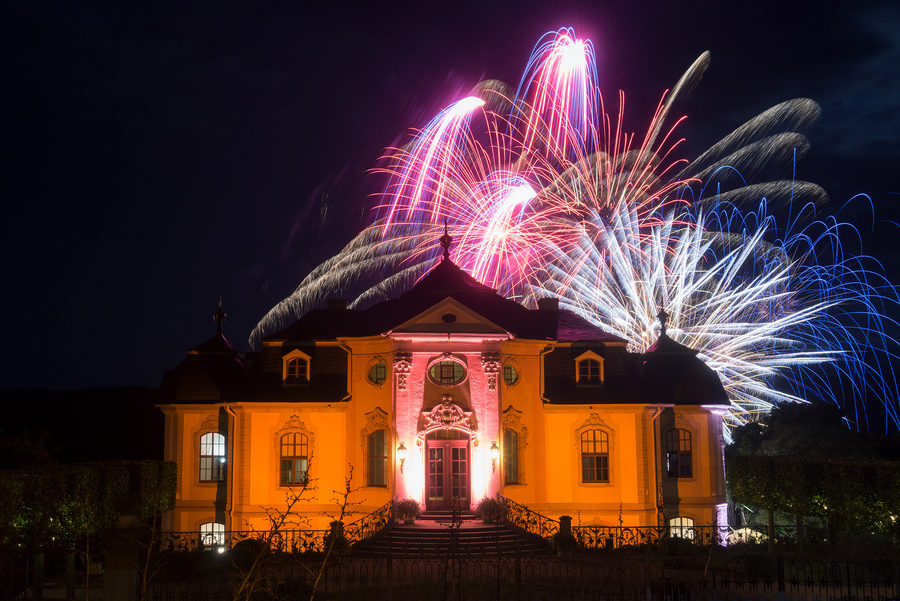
[449,372]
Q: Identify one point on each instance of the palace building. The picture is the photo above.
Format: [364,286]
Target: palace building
[446,394]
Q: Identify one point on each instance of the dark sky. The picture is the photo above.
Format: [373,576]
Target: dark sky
[155,156]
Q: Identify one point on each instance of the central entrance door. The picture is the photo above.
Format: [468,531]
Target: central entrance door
[446,470]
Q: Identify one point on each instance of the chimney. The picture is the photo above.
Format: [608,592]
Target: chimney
[548,304]
[337,304]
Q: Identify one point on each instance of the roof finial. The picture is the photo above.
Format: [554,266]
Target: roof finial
[446,240]
[219,316]
[663,317]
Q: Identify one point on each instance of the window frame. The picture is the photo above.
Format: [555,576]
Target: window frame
[675,439]
[288,360]
[373,461]
[515,374]
[586,358]
[212,538]
[681,526]
[510,456]
[447,360]
[212,463]
[372,368]
[303,444]
[597,437]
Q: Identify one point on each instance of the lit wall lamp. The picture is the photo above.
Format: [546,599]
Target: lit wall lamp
[495,455]
[401,455]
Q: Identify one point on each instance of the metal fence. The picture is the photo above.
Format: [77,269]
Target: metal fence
[604,576]
[284,540]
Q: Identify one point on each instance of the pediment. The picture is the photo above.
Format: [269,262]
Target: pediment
[436,320]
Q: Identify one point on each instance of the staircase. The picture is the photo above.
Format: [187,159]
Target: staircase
[434,533]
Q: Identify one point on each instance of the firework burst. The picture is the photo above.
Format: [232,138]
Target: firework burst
[547,195]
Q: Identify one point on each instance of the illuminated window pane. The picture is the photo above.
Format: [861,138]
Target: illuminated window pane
[681,527]
[212,534]
[212,457]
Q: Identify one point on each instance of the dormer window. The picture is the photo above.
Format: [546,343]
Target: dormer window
[589,369]
[296,368]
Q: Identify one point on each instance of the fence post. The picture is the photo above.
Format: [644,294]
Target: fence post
[390,576]
[70,575]
[565,524]
[770,513]
[38,584]
[779,562]
[518,569]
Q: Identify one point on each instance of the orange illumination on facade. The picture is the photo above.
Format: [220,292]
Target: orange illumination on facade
[414,393]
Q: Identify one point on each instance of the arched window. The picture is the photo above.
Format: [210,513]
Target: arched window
[212,535]
[212,457]
[681,527]
[297,371]
[594,456]
[378,458]
[678,454]
[294,459]
[510,457]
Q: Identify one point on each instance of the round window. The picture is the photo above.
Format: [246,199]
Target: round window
[447,372]
[510,375]
[378,373]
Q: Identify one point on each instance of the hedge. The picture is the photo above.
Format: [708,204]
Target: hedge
[55,507]
[858,494]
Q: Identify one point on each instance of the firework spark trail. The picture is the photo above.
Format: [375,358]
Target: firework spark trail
[548,195]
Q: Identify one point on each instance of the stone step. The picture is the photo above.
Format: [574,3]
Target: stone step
[472,537]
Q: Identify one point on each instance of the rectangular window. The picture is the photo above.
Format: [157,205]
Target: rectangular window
[510,457]
[595,468]
[377,458]
[678,454]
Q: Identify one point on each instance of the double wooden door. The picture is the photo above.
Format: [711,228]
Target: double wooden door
[446,474]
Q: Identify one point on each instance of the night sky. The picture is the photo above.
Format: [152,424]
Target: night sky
[157,156]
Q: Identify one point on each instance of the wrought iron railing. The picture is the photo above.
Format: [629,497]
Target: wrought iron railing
[616,537]
[530,521]
[288,541]
[370,525]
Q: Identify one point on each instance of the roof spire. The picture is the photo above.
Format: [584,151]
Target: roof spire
[663,318]
[219,316]
[446,241]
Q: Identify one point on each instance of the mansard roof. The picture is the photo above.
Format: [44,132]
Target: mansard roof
[210,373]
[445,280]
[675,374]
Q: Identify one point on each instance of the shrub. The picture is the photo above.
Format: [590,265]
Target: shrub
[408,509]
[490,509]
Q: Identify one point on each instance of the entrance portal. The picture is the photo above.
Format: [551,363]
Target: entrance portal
[446,470]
